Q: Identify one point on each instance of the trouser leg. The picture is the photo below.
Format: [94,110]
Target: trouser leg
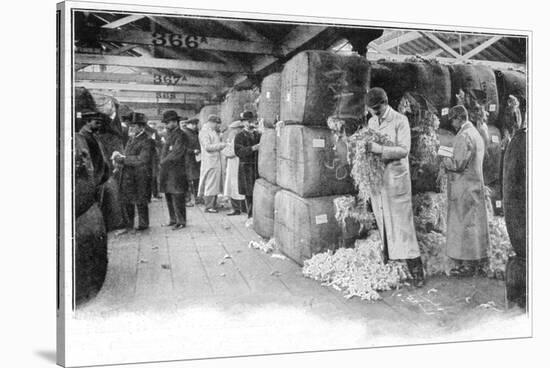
[170,205]
[236,205]
[143,215]
[154,186]
[195,183]
[180,210]
[209,202]
[249,206]
[130,214]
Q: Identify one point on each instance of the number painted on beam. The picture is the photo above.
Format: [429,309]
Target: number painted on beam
[177,40]
[168,80]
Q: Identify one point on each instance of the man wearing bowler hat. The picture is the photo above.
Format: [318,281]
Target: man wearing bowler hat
[135,166]
[173,178]
[392,207]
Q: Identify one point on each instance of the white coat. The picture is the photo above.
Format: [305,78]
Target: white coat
[210,181]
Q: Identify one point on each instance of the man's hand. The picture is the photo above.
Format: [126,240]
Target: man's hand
[374,147]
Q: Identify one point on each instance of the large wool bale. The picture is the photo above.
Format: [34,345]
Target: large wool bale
[514,190]
[235,103]
[90,254]
[516,281]
[316,85]
[511,82]
[312,162]
[269,106]
[492,158]
[479,85]
[85,190]
[111,204]
[105,104]
[263,209]
[305,226]
[267,156]
[430,81]
[206,111]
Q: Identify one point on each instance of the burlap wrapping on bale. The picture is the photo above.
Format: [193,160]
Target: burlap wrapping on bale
[234,104]
[267,156]
[263,209]
[269,106]
[511,82]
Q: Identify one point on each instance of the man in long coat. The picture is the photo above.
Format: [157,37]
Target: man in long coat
[135,183]
[192,158]
[173,178]
[392,207]
[467,226]
[155,137]
[247,143]
[210,183]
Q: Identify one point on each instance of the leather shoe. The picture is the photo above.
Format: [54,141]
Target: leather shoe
[178,226]
[234,213]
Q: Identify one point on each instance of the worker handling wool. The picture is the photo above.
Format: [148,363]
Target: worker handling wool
[467,225]
[392,206]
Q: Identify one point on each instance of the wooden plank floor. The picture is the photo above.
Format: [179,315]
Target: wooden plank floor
[209,263]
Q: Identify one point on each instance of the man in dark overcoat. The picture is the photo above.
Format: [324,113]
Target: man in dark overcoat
[157,140]
[192,158]
[246,145]
[135,182]
[173,178]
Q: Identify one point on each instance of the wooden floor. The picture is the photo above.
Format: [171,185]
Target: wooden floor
[209,264]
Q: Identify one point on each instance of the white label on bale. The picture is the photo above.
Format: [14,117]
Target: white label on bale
[499,204]
[492,107]
[79,115]
[268,95]
[318,143]
[321,219]
[445,111]
[494,138]
[288,97]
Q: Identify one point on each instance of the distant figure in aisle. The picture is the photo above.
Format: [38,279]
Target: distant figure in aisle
[192,159]
[210,183]
[231,185]
[247,143]
[135,165]
[467,226]
[392,207]
[173,178]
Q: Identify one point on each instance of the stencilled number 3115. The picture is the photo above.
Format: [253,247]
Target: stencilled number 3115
[176,40]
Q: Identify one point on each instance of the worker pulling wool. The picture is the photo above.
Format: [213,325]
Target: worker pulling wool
[392,206]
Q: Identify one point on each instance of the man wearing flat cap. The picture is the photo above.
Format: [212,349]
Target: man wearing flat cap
[392,207]
[467,224]
[173,178]
[192,158]
[247,143]
[210,183]
[135,163]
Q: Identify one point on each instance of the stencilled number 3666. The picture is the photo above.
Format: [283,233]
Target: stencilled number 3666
[175,40]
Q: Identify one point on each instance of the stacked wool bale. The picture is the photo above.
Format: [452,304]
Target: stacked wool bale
[312,165]
[475,87]
[422,92]
[235,103]
[266,187]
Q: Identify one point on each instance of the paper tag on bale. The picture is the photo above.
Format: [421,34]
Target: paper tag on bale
[492,107]
[288,97]
[321,219]
[79,115]
[445,111]
[268,95]
[499,204]
[318,143]
[494,138]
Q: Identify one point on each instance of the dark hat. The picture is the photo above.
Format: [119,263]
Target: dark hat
[170,115]
[247,115]
[458,112]
[138,118]
[214,119]
[376,96]
[192,121]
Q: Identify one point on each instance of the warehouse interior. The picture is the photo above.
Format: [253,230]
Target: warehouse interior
[230,279]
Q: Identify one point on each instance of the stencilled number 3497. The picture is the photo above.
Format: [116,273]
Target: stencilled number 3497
[176,40]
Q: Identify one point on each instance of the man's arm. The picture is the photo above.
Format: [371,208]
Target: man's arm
[178,151]
[401,150]
[462,154]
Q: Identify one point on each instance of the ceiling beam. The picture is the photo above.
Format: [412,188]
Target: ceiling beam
[123,21]
[185,40]
[149,100]
[148,62]
[478,49]
[244,30]
[148,79]
[144,87]
[399,40]
[441,44]
[455,45]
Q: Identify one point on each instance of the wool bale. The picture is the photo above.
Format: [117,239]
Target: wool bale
[111,204]
[305,226]
[316,85]
[263,209]
[267,155]
[516,281]
[85,190]
[514,190]
[312,162]
[269,106]
[511,82]
[90,254]
[475,87]
[492,158]
[235,103]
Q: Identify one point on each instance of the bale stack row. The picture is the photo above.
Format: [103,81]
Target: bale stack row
[310,162]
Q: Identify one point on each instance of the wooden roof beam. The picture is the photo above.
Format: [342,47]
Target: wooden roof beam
[478,49]
[144,87]
[148,62]
[441,44]
[123,21]
[399,40]
[153,100]
[149,79]
[454,45]
[244,30]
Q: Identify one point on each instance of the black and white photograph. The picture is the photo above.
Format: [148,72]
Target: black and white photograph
[243,184]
